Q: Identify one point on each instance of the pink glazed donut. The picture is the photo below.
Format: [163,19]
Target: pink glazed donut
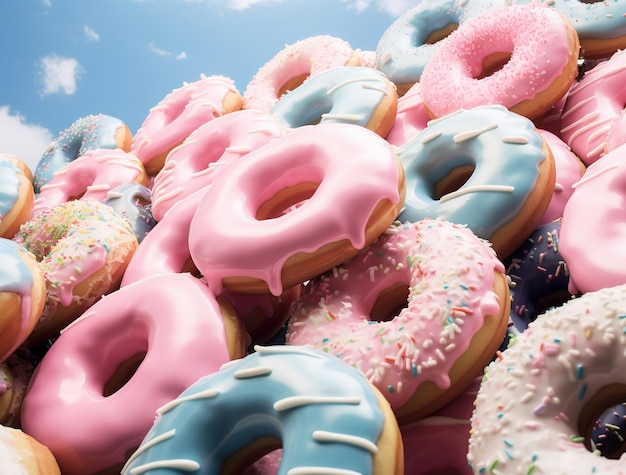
[264,240]
[523,57]
[181,112]
[198,160]
[85,383]
[454,305]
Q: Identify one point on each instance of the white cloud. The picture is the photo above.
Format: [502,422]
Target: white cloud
[162,52]
[58,75]
[391,7]
[90,34]
[17,137]
[47,3]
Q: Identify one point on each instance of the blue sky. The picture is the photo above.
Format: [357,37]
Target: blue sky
[64,59]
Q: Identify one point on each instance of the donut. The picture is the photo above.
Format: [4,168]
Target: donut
[22,454]
[87,133]
[411,117]
[538,276]
[16,195]
[15,374]
[569,170]
[523,57]
[346,94]
[591,231]
[601,26]
[539,400]
[179,113]
[438,443]
[292,65]
[91,175]
[106,395]
[420,313]
[261,244]
[206,151]
[20,164]
[617,134]
[133,201]
[408,44]
[485,167]
[83,248]
[325,415]
[22,295]
[607,434]
[593,105]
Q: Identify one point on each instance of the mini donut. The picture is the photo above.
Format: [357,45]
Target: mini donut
[569,170]
[133,201]
[592,228]
[538,276]
[609,431]
[345,94]
[438,443]
[87,133]
[452,298]
[105,396]
[523,57]
[83,248]
[539,400]
[261,244]
[16,196]
[206,151]
[91,175]
[325,415]
[601,26]
[22,295]
[22,454]
[179,113]
[291,66]
[504,167]
[407,45]
[411,117]
[593,105]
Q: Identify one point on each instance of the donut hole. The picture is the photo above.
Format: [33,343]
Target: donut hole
[390,302]
[438,35]
[291,84]
[123,374]
[453,181]
[493,63]
[603,401]
[286,200]
[250,462]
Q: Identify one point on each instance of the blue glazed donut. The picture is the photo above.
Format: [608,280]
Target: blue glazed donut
[511,174]
[328,417]
[134,201]
[87,133]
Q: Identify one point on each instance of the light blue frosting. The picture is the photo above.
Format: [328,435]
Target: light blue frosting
[505,151]
[15,276]
[343,94]
[87,133]
[126,199]
[323,410]
[9,186]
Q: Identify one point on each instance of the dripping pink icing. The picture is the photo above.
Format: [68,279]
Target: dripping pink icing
[226,239]
[593,105]
[534,34]
[450,276]
[411,117]
[92,175]
[65,407]
[212,146]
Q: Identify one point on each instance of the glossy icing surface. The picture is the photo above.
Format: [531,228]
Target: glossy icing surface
[9,186]
[133,201]
[529,403]
[92,175]
[593,105]
[449,273]
[87,133]
[503,148]
[199,159]
[592,227]
[328,154]
[323,411]
[67,390]
[450,80]
[347,94]
[411,117]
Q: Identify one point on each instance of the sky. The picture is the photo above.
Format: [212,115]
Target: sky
[61,60]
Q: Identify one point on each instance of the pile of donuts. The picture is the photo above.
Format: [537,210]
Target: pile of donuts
[369,262]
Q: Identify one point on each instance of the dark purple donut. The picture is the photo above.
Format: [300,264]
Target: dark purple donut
[609,432]
[133,201]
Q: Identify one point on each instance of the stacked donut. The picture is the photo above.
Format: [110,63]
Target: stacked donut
[314,274]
